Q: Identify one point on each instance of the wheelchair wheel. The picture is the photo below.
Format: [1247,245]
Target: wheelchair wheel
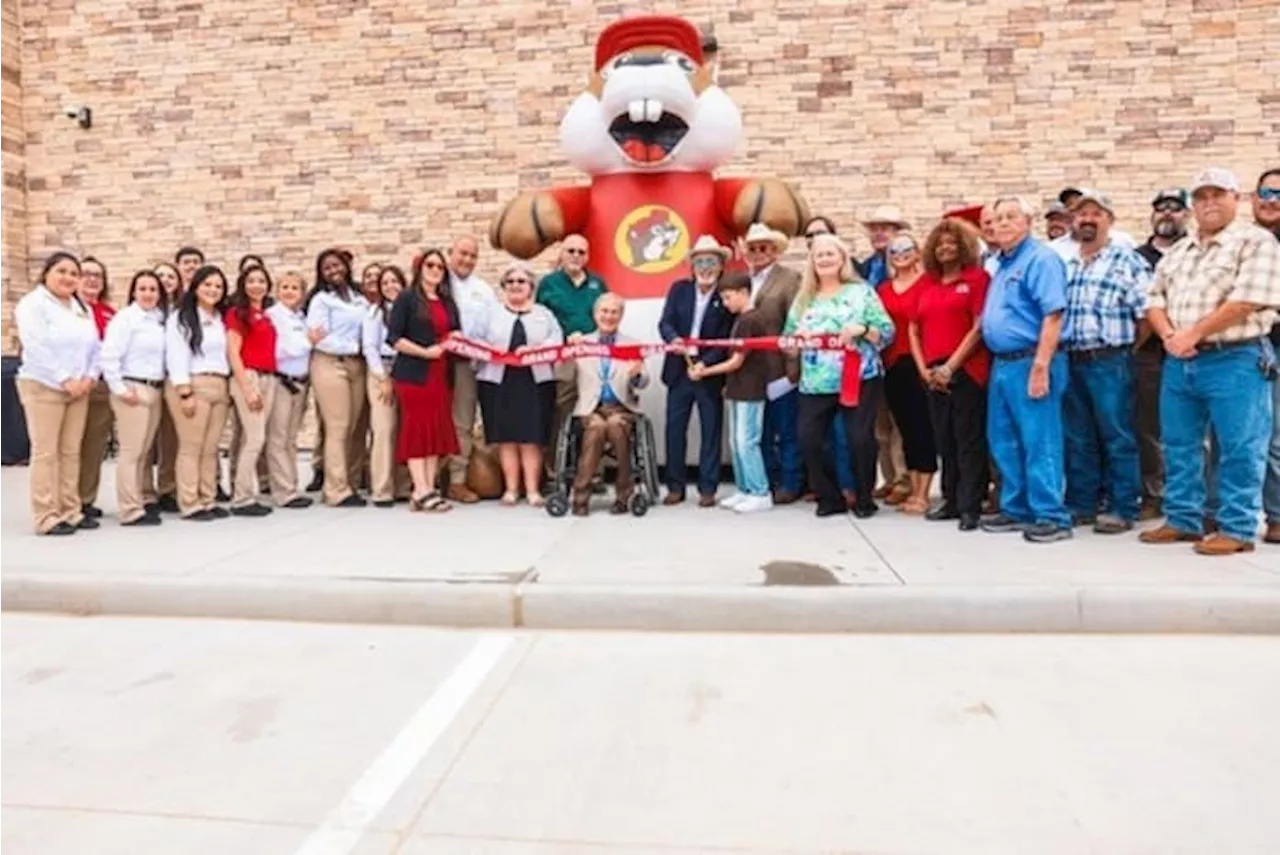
[639,504]
[557,504]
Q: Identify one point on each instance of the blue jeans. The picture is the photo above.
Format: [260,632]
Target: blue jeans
[1026,441]
[1222,389]
[782,442]
[746,427]
[681,399]
[839,440]
[1271,490]
[1102,448]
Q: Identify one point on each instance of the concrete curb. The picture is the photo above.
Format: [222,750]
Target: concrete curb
[871,609]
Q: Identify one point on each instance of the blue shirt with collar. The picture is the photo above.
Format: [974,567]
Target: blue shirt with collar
[1030,283]
[607,395]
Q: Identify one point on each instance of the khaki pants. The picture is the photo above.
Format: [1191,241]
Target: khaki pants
[136,428]
[253,438]
[893,461]
[56,425]
[284,421]
[358,449]
[235,444]
[387,481]
[93,448]
[464,418]
[198,436]
[611,423]
[165,480]
[338,383]
[566,400]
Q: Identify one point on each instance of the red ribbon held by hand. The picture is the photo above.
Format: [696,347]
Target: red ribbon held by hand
[550,354]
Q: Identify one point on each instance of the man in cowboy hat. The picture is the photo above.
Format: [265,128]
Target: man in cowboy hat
[773,289]
[693,310]
[882,227]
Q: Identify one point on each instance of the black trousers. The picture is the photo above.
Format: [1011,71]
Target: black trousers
[906,398]
[1148,367]
[816,415]
[960,429]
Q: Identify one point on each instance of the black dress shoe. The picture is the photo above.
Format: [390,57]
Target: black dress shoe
[254,510]
[352,501]
[942,513]
[223,495]
[91,511]
[823,510]
[88,523]
[619,507]
[61,529]
[866,511]
[317,483]
[144,520]
[385,503]
[218,513]
[968,522]
[299,502]
[168,503]
[152,509]
[200,516]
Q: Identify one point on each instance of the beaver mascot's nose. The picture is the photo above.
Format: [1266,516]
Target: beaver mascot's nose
[638,60]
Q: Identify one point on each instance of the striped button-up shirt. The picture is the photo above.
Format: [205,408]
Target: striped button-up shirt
[1240,264]
[1106,297]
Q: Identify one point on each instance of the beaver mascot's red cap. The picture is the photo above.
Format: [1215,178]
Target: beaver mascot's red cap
[970,213]
[645,30]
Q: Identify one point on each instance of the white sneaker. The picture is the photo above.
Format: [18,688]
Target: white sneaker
[730,503]
[754,503]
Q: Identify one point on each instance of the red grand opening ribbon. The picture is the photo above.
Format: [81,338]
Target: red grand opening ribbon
[550,354]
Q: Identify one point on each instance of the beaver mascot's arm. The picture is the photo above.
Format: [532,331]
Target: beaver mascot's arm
[535,220]
[743,201]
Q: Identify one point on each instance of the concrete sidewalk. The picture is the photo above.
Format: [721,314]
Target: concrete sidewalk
[684,568]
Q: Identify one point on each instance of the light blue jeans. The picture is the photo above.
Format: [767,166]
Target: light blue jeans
[1271,491]
[746,428]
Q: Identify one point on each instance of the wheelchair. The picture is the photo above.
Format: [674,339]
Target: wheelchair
[644,465]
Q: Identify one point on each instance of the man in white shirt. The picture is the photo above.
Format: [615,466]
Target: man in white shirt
[476,299]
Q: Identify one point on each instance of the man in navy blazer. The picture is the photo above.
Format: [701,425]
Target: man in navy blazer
[693,310]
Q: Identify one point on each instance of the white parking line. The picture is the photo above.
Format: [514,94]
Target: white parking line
[346,824]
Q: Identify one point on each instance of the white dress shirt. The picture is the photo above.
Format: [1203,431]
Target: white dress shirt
[757,282]
[377,353]
[133,347]
[342,320]
[293,348]
[476,299]
[59,342]
[181,363]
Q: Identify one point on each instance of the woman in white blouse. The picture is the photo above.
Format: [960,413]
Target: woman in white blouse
[59,368]
[338,309]
[133,368]
[289,404]
[197,392]
[161,491]
[387,481]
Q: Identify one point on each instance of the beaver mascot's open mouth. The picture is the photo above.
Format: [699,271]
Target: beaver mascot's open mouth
[647,133]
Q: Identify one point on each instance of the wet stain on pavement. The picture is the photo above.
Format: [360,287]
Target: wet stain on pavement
[798,573]
[40,675]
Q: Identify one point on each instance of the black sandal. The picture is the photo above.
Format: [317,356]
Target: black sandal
[435,503]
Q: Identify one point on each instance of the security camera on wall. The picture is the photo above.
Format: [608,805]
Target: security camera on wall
[82,115]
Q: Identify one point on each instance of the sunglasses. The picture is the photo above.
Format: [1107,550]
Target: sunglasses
[575,252]
[759,247]
[1170,207]
[433,265]
[901,250]
[521,281]
[705,261]
[1269,194]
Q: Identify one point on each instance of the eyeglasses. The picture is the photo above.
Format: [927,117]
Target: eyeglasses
[759,247]
[705,261]
[521,281]
[1269,194]
[1170,207]
[90,274]
[575,251]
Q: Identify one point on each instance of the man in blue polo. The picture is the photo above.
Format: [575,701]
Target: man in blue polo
[1021,325]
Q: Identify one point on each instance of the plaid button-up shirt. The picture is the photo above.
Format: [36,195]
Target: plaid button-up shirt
[1106,297]
[1240,264]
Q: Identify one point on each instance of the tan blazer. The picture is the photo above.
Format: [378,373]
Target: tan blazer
[773,301]
[591,385]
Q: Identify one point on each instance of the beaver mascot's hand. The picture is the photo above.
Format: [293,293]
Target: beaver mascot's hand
[772,202]
[530,223]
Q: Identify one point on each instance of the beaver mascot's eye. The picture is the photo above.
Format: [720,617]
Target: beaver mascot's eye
[680,60]
[618,61]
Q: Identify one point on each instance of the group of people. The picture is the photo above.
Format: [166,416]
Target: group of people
[1080,379]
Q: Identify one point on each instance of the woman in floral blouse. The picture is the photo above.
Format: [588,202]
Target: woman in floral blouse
[832,299]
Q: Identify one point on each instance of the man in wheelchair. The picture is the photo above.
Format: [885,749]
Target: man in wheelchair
[608,398]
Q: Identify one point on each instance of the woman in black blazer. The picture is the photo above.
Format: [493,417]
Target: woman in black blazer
[420,319]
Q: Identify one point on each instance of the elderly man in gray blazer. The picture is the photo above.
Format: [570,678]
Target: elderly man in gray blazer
[608,398]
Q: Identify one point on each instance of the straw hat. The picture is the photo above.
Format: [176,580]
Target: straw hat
[760,233]
[888,214]
[708,245]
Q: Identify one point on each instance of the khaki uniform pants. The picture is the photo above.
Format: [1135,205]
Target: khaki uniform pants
[284,421]
[253,439]
[387,481]
[136,428]
[56,424]
[464,418]
[164,482]
[93,448]
[198,437]
[893,461]
[338,383]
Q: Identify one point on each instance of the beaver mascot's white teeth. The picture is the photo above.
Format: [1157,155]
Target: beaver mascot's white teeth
[652,110]
[636,110]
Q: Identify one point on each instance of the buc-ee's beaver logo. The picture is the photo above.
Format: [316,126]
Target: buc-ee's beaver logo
[651,239]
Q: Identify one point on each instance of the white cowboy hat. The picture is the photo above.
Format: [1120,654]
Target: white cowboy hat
[760,233]
[887,214]
[707,245]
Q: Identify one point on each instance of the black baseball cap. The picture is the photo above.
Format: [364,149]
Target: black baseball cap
[1174,194]
[1067,193]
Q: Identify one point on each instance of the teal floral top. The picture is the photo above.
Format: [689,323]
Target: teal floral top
[855,303]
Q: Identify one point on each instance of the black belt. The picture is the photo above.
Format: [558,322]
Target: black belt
[340,355]
[154,384]
[293,384]
[1016,354]
[1093,354]
[209,374]
[1211,346]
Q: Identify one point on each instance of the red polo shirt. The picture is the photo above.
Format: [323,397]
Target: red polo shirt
[946,313]
[257,339]
[901,309]
[102,315]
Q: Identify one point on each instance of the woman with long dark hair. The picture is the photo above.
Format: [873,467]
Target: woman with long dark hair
[387,480]
[196,391]
[59,368]
[94,291]
[422,317]
[338,373]
[160,490]
[133,369]
[251,354]
[289,401]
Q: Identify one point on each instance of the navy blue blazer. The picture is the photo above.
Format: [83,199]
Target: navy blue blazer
[677,322]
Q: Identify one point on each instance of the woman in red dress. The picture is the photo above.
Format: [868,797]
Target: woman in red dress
[420,319]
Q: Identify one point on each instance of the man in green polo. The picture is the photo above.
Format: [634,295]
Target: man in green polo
[570,292]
